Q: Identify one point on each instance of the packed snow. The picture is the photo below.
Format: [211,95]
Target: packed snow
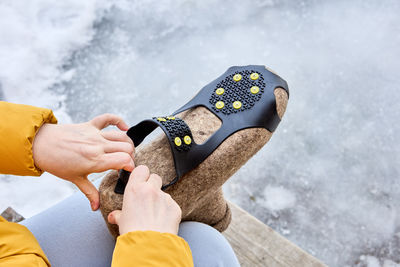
[278,198]
[329,178]
[37,38]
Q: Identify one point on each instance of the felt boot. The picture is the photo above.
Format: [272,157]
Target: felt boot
[198,192]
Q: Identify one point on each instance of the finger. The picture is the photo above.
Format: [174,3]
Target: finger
[102,121]
[116,161]
[117,136]
[155,180]
[139,175]
[111,147]
[114,216]
[90,192]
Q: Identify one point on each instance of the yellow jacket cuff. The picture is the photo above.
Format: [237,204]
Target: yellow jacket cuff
[18,127]
[150,248]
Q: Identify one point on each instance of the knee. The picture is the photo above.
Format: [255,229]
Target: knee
[209,247]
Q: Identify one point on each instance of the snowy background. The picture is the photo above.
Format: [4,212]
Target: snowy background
[329,178]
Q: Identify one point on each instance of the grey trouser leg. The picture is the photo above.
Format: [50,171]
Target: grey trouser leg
[72,235]
[209,247]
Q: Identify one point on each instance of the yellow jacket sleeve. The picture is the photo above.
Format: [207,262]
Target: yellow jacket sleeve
[18,127]
[18,247]
[149,248]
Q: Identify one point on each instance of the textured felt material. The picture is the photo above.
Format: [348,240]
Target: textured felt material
[199,192]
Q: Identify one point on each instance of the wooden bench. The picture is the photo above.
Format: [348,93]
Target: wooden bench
[256,244]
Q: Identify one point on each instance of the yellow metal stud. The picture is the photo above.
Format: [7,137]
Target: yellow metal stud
[161,119]
[171,117]
[237,77]
[237,105]
[254,90]
[178,141]
[254,76]
[187,140]
[219,105]
[220,91]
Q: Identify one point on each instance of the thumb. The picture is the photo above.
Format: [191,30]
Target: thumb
[113,217]
[90,192]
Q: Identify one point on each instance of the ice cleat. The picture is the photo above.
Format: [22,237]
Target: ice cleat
[206,141]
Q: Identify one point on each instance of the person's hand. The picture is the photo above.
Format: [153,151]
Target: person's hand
[145,206]
[73,151]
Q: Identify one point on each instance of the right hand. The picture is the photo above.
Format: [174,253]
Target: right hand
[73,151]
[145,207]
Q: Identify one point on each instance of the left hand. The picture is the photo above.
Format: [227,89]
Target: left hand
[73,151]
[145,207]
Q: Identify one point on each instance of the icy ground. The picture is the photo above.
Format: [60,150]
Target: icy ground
[329,178]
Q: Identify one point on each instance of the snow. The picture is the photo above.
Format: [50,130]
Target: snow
[278,198]
[371,261]
[37,37]
[329,178]
[389,263]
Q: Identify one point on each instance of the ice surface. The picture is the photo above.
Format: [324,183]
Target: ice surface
[37,37]
[329,178]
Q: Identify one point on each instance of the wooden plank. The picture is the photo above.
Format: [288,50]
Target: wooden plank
[11,215]
[257,245]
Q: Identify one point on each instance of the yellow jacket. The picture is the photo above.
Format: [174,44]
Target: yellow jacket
[18,247]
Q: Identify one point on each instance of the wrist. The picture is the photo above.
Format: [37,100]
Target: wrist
[39,146]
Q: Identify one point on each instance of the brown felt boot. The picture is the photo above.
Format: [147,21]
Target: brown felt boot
[198,192]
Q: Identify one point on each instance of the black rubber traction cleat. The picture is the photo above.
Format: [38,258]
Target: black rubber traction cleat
[242,97]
